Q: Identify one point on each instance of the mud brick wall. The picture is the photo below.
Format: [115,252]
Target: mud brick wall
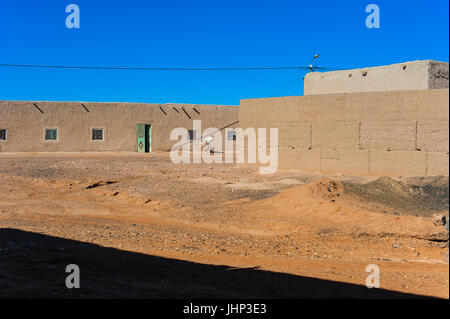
[26,122]
[397,133]
[413,75]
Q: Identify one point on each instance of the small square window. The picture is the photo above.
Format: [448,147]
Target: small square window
[3,134]
[191,135]
[51,134]
[97,134]
[232,135]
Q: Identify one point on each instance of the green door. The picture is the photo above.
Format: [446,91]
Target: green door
[144,138]
[141,138]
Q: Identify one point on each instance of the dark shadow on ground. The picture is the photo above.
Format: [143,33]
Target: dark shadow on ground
[33,266]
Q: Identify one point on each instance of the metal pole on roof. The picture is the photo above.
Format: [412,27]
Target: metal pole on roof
[311,68]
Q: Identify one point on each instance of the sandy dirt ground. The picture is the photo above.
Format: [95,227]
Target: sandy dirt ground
[140,226]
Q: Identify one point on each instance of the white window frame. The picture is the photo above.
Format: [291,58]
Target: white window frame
[6,135]
[57,134]
[103,134]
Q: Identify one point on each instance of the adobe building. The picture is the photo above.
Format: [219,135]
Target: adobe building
[415,75]
[391,120]
[27,126]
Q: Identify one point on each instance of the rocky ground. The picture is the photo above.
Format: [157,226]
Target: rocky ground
[140,226]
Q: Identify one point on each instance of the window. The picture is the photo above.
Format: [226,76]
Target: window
[97,134]
[232,135]
[51,134]
[191,135]
[3,134]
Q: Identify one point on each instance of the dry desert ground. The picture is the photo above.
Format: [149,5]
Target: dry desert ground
[139,226]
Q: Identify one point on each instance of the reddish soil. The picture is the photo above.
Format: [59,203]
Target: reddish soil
[140,226]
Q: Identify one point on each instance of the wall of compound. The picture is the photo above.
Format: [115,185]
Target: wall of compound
[26,123]
[398,133]
[414,75]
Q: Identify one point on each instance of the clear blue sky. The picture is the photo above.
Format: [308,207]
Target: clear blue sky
[204,33]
